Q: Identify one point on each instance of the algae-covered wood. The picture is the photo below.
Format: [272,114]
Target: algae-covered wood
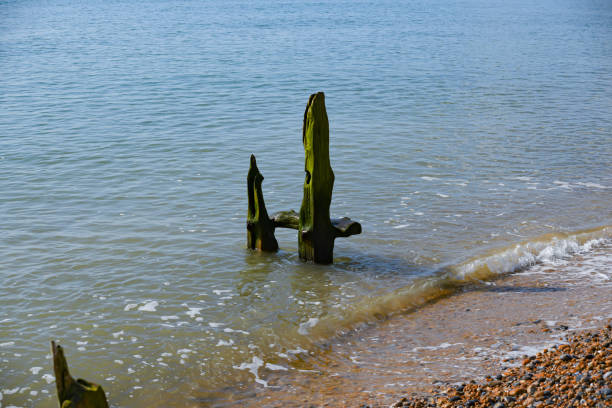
[74,393]
[316,234]
[286,219]
[343,227]
[260,229]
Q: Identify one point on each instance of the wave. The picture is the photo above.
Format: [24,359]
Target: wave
[546,248]
[447,280]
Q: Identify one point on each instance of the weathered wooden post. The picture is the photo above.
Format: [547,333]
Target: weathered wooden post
[260,229]
[71,393]
[316,234]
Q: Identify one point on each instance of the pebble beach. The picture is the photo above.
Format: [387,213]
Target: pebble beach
[577,374]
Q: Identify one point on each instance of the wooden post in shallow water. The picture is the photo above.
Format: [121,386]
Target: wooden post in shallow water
[316,233]
[260,229]
[71,393]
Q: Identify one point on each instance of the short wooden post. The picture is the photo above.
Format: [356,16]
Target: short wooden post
[260,229]
[71,393]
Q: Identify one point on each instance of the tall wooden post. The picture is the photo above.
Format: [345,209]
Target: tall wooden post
[316,234]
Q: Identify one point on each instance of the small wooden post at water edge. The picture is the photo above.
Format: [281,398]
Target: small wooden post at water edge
[74,393]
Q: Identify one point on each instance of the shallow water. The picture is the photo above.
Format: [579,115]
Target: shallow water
[457,132]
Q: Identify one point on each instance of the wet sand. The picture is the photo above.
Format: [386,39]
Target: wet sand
[481,330]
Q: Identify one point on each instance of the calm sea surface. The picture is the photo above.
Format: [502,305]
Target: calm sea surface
[470,138]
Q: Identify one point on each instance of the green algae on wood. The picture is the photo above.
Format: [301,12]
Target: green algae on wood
[316,234]
[343,227]
[260,229]
[286,219]
[74,393]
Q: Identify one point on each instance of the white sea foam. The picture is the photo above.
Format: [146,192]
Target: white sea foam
[35,370]
[164,318]
[401,226]
[442,195]
[428,178]
[212,324]
[11,391]
[130,306]
[438,347]
[298,350]
[307,325]
[225,343]
[518,351]
[563,184]
[48,378]
[149,306]
[219,292]
[228,330]
[193,311]
[8,343]
[276,367]
[117,334]
[253,367]
[592,185]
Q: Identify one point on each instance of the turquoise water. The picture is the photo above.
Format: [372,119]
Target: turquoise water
[458,129]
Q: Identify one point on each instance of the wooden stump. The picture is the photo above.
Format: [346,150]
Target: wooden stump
[74,393]
[260,229]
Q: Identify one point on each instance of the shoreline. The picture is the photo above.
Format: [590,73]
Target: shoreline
[484,329]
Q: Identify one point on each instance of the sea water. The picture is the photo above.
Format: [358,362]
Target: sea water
[470,139]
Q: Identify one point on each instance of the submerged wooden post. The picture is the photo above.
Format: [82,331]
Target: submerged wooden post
[71,393]
[316,234]
[260,229]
